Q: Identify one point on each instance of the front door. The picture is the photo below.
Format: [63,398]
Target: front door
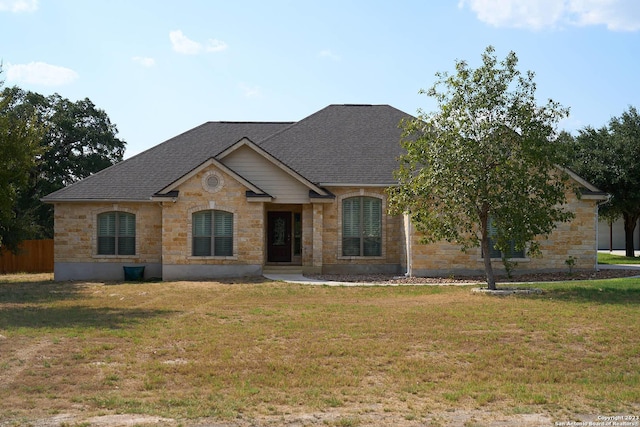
[279,236]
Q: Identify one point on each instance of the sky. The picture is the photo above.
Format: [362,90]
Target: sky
[159,68]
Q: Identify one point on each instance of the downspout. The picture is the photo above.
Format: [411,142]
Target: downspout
[408,241]
[597,221]
[597,234]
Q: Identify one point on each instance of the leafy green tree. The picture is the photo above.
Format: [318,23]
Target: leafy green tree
[486,159]
[19,147]
[609,158]
[78,140]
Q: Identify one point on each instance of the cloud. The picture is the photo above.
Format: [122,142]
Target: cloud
[183,44]
[250,91]
[40,73]
[328,54]
[18,6]
[616,15]
[215,45]
[620,15]
[144,61]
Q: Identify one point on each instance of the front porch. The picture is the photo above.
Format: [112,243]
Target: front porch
[293,236]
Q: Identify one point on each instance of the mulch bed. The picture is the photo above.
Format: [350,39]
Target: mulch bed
[452,280]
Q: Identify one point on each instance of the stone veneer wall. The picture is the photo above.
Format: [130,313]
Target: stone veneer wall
[75,241]
[391,261]
[307,238]
[575,239]
[163,238]
[248,230]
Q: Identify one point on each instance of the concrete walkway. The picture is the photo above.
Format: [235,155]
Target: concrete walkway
[300,279]
[619,266]
[617,252]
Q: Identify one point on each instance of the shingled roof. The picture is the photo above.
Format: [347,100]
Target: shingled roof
[141,176]
[339,145]
[342,144]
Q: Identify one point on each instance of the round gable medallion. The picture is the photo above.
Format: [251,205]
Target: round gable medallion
[212,182]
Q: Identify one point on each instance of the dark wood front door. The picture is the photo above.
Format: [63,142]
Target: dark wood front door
[279,236]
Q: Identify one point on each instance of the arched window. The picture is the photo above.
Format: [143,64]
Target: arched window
[212,233]
[116,233]
[362,226]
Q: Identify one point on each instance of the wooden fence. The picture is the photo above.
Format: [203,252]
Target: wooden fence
[33,256]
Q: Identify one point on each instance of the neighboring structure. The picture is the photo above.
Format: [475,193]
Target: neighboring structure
[229,198]
[611,236]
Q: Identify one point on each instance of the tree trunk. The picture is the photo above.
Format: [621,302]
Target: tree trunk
[488,268]
[630,221]
[486,252]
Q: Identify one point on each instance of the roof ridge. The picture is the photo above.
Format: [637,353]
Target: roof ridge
[250,122]
[358,105]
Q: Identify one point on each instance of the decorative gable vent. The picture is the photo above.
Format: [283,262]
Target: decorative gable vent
[212,182]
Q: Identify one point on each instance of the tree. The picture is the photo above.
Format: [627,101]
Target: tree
[486,160]
[78,140]
[19,146]
[609,158]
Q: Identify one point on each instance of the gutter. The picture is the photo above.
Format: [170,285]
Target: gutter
[53,201]
[352,184]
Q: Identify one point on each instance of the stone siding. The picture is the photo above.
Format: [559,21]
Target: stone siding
[164,238]
[576,239]
[392,243]
[248,222]
[75,240]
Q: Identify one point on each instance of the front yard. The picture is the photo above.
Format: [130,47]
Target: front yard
[266,353]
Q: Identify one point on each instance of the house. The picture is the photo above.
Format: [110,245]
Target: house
[229,198]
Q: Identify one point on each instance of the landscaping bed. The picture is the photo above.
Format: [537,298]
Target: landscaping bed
[456,280]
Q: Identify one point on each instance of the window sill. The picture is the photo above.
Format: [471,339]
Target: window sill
[361,257]
[116,256]
[206,257]
[508,259]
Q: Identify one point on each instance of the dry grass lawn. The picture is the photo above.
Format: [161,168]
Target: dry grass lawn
[273,353]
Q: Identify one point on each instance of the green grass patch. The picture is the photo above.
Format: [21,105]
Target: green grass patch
[609,258]
[189,350]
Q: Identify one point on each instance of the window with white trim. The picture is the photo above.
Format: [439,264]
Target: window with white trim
[116,233]
[212,233]
[362,226]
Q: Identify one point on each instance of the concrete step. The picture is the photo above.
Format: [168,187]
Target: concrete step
[282,269]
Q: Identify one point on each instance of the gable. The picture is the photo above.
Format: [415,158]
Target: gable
[142,176]
[173,188]
[588,190]
[271,178]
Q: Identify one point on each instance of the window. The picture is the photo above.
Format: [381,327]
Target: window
[495,253]
[362,226]
[297,234]
[212,233]
[116,233]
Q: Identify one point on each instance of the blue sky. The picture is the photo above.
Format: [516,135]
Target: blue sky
[159,67]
